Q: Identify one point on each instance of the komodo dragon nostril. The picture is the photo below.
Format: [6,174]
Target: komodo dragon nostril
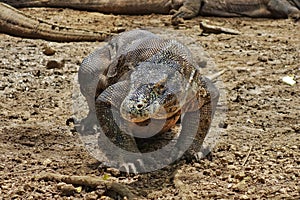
[139,106]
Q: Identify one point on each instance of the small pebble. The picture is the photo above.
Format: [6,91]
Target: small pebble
[55,64]
[262,58]
[48,51]
[240,176]
[114,172]
[47,161]
[66,189]
[91,196]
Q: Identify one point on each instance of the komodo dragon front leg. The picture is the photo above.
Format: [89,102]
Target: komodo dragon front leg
[192,121]
[285,8]
[92,84]
[116,141]
[190,9]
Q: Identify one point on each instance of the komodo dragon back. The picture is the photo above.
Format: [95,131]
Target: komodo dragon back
[138,86]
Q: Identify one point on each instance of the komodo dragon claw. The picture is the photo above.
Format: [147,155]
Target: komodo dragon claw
[128,168]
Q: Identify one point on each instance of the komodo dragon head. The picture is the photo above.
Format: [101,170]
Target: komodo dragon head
[156,91]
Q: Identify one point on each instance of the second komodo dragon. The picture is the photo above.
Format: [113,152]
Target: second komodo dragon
[138,80]
[187,8]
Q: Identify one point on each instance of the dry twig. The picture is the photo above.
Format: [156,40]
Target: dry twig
[89,181]
[206,28]
[246,159]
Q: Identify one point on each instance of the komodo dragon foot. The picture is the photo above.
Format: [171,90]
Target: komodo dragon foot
[295,16]
[189,10]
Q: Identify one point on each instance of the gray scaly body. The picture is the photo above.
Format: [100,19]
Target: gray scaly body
[240,8]
[187,8]
[146,79]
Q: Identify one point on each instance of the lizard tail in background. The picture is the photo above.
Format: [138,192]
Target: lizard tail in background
[14,22]
[127,7]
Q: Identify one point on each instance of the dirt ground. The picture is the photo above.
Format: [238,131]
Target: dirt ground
[256,157]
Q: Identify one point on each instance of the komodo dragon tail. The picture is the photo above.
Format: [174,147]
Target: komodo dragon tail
[16,23]
[104,6]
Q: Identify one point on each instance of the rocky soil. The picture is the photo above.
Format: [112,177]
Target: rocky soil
[256,157]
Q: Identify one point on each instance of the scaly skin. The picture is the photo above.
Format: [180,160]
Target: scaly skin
[190,8]
[16,23]
[240,8]
[104,6]
[139,77]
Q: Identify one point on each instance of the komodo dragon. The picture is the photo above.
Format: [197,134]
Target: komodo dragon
[146,79]
[187,8]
